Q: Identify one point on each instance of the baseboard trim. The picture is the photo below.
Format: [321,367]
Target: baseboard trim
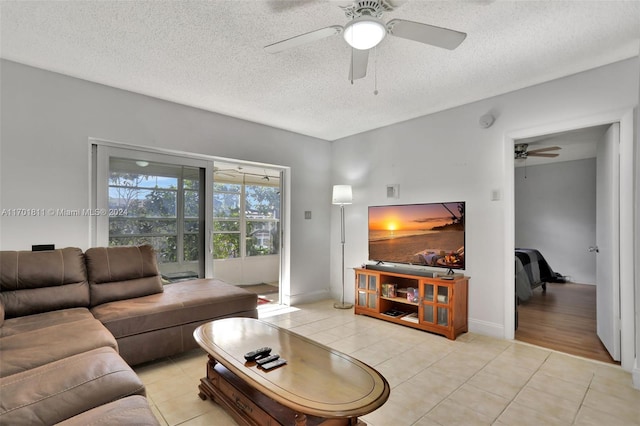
[314,296]
[486,328]
[635,375]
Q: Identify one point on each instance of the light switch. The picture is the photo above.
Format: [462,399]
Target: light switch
[307,214]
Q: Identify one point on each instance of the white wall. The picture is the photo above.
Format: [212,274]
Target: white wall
[448,157]
[555,212]
[46,122]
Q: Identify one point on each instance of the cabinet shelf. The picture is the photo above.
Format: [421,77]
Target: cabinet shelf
[441,308]
[402,300]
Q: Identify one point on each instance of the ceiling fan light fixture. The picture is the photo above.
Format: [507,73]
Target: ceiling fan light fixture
[364,33]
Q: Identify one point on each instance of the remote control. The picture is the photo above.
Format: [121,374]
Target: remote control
[258,353]
[268,359]
[273,364]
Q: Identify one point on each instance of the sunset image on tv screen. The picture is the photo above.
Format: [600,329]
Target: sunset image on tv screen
[424,234]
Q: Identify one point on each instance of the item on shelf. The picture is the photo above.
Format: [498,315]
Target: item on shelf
[394,313]
[389,290]
[413,317]
[412,295]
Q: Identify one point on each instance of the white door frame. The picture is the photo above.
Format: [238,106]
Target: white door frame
[625,118]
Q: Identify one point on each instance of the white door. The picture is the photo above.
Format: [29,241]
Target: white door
[608,240]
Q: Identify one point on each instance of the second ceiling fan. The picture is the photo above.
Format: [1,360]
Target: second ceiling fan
[521,152]
[365,30]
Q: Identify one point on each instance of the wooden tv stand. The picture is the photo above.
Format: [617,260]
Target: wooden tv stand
[439,306]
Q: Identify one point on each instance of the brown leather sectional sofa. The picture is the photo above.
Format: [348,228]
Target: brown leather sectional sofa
[72,324]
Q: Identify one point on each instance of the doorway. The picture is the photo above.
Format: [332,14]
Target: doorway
[246,234]
[624,207]
[555,181]
[167,200]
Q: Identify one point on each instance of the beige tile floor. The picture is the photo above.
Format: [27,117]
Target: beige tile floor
[474,380]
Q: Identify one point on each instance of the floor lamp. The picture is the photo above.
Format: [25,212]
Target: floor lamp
[342,195]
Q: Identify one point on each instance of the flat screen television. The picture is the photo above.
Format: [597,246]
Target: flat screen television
[429,234]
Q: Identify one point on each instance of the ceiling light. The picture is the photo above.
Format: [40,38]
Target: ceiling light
[364,32]
[142,163]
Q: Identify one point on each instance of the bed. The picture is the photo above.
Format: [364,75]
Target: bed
[532,271]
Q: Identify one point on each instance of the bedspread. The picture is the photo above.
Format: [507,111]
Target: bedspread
[532,270]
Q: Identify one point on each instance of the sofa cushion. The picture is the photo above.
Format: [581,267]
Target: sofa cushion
[132,410]
[62,389]
[180,303]
[39,281]
[49,338]
[1,312]
[46,319]
[117,273]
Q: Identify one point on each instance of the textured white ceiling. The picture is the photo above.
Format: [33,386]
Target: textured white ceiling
[209,54]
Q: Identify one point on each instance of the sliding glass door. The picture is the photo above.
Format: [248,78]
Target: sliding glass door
[162,205]
[155,199]
[204,217]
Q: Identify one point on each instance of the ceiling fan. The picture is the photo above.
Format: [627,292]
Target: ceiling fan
[521,152]
[365,30]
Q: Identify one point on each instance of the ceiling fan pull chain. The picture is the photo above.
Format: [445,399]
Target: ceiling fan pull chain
[352,65]
[375,71]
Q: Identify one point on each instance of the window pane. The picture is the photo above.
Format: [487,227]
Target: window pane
[141,180]
[149,194]
[191,225]
[226,226]
[262,238]
[192,184]
[191,203]
[124,226]
[262,202]
[227,187]
[191,247]
[226,246]
[226,205]
[165,247]
[143,202]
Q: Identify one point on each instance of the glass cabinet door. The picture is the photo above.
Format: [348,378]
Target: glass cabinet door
[373,283]
[427,313]
[435,304]
[443,294]
[372,301]
[428,292]
[362,298]
[367,291]
[362,281]
[443,316]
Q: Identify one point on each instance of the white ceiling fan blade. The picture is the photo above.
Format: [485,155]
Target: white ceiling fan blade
[423,33]
[551,148]
[303,39]
[359,61]
[539,154]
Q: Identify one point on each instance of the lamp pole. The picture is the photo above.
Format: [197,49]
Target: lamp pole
[342,196]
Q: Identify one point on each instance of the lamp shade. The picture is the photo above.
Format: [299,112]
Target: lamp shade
[342,194]
[364,33]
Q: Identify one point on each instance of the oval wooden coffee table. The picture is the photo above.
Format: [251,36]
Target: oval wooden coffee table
[317,386]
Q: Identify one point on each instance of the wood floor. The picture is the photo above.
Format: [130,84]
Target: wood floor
[563,319]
